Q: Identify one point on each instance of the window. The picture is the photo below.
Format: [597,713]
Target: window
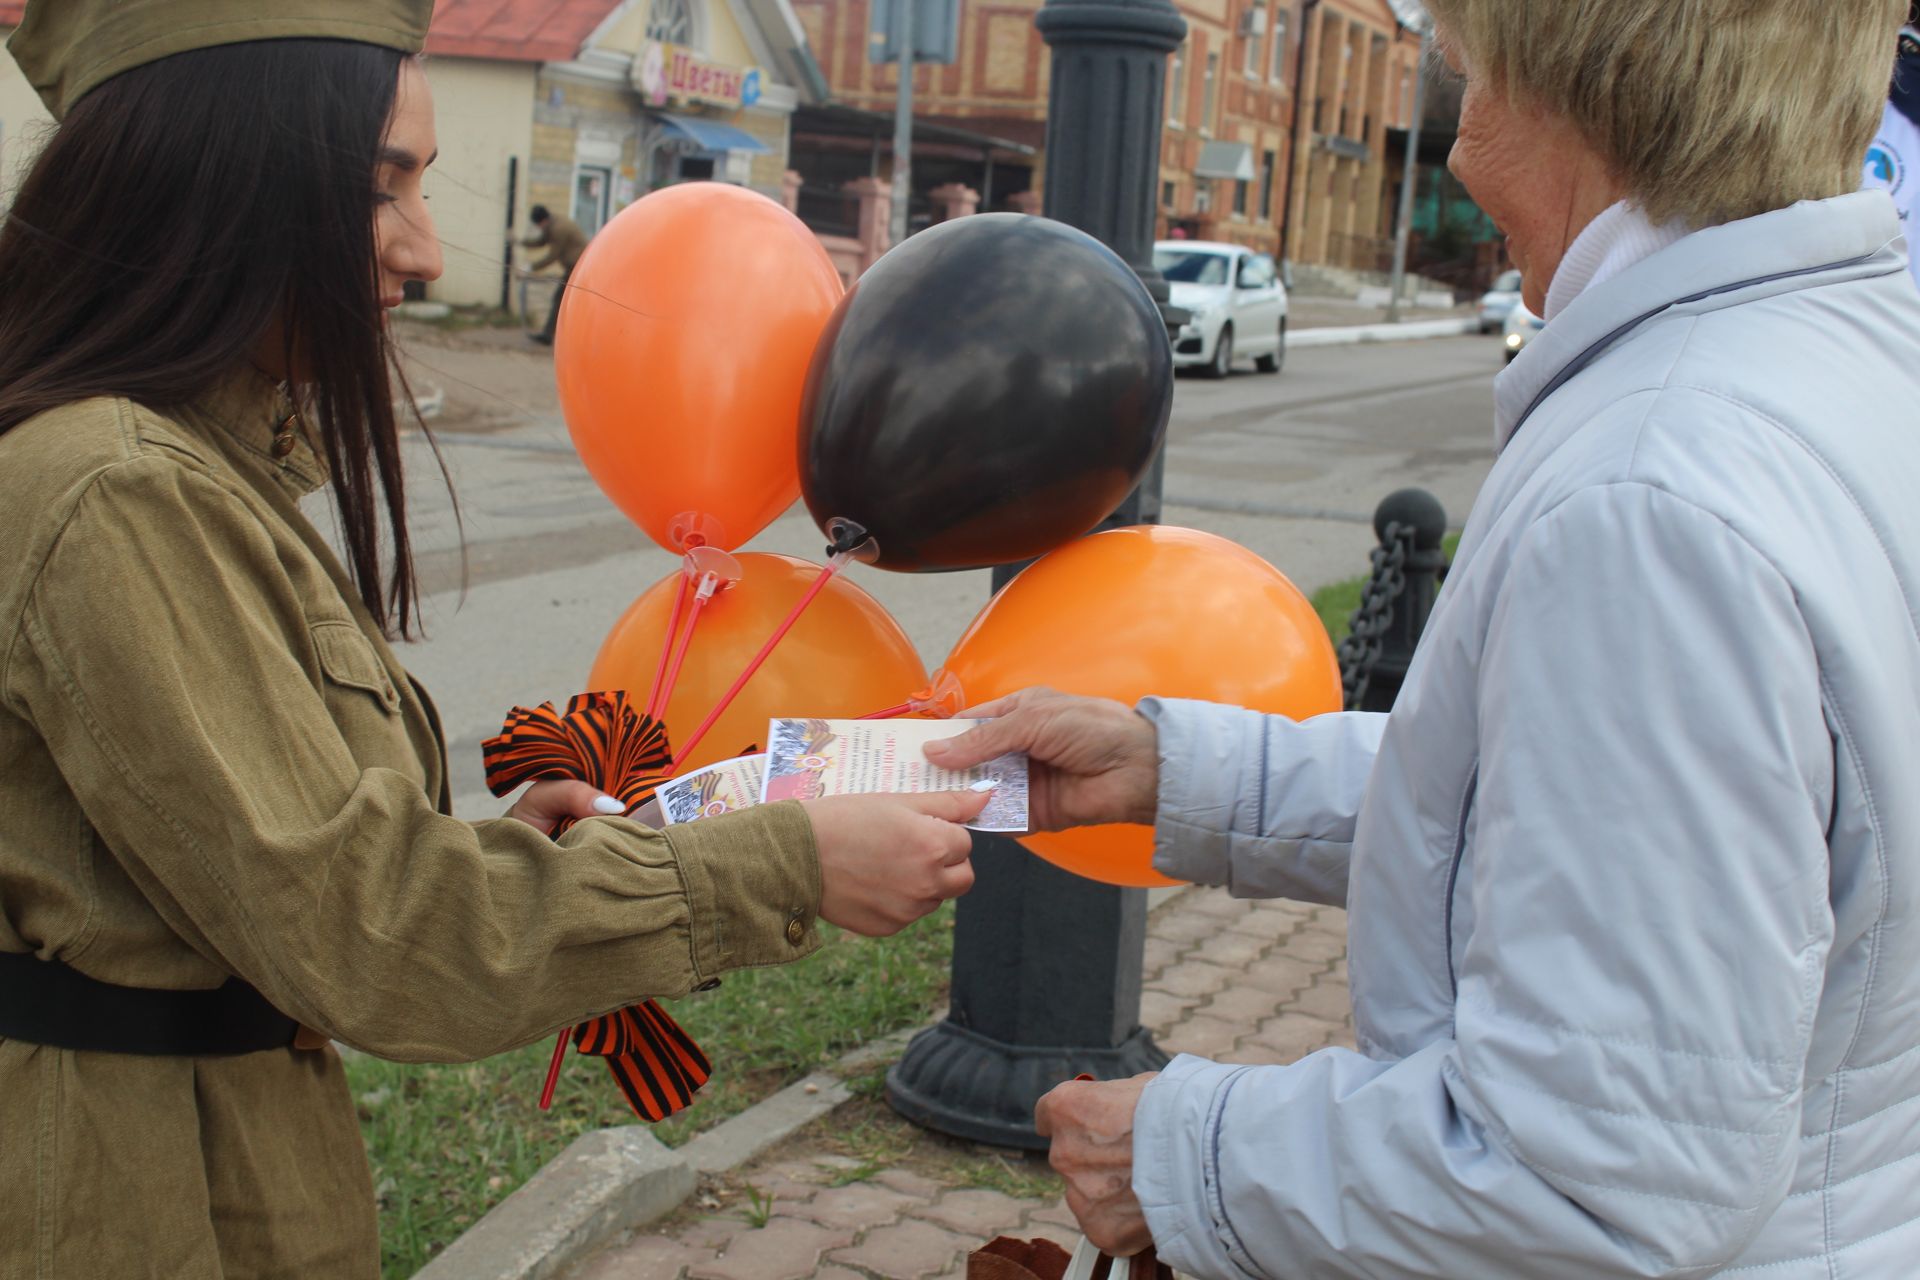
[1191,266]
[670,21]
[1203,197]
[1168,194]
[1240,198]
[1266,186]
[1277,72]
[1206,92]
[592,189]
[1250,43]
[1256,271]
[1177,82]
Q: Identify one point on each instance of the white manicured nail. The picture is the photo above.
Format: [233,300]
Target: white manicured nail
[608,804]
[985,784]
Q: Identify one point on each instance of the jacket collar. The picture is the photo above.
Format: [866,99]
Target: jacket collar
[245,413]
[1813,242]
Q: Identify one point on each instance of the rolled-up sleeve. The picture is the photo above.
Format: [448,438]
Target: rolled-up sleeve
[159,660]
[1259,803]
[1621,1092]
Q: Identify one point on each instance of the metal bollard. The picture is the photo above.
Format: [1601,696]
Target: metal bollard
[1407,568]
[1047,966]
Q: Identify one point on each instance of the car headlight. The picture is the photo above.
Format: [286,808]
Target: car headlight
[1515,341]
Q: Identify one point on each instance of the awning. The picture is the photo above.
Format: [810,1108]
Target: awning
[711,135]
[839,120]
[1225,160]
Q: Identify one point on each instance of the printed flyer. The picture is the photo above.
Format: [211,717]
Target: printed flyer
[809,759]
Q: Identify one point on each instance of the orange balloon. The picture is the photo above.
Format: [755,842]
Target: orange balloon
[1150,610]
[682,351]
[845,657]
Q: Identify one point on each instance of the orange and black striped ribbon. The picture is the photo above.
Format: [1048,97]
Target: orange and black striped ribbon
[603,741]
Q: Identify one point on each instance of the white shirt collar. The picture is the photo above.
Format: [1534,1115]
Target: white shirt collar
[1620,237]
[1809,243]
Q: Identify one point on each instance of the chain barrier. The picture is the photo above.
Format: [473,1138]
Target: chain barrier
[1360,651]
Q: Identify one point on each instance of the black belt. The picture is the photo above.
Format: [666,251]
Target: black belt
[47,1002]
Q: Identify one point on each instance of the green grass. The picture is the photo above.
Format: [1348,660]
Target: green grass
[476,317]
[447,1143]
[1336,601]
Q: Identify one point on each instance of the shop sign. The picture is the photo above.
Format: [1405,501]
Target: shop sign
[665,73]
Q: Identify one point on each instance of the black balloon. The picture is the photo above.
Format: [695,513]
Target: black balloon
[990,390]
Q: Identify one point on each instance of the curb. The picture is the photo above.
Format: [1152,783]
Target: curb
[1412,330]
[606,1181]
[612,1181]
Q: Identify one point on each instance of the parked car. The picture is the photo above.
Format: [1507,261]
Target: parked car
[1496,302]
[1520,328]
[1239,305]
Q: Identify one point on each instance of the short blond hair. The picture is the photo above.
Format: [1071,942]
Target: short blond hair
[1707,110]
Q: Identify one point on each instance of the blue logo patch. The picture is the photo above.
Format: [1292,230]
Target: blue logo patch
[750,88]
[1884,168]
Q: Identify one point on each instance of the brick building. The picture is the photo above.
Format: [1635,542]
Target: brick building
[979,122]
[1359,60]
[1236,155]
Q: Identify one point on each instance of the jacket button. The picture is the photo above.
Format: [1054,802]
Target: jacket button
[796,930]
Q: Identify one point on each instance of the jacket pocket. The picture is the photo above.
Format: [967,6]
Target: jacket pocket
[349,661]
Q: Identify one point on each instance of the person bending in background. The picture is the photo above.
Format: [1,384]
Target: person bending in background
[564,241]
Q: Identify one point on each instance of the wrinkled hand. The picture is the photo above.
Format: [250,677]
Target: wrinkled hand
[1092,759]
[545,803]
[1091,1125]
[887,860]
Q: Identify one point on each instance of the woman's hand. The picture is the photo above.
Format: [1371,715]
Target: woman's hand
[545,803]
[1092,760]
[887,860]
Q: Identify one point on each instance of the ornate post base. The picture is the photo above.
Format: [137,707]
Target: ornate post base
[1046,986]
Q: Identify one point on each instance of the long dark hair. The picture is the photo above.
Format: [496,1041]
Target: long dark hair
[181,210]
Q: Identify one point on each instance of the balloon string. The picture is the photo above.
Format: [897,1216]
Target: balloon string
[680,638]
[833,566]
[683,642]
[655,702]
[891,713]
[553,1068]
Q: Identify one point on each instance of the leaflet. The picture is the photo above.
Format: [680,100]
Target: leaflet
[809,759]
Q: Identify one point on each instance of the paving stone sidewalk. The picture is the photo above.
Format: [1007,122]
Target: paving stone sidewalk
[1246,982]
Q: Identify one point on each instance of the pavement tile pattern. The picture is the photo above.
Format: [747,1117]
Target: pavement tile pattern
[1236,981]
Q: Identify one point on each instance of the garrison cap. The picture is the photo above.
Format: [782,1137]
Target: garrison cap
[68,47]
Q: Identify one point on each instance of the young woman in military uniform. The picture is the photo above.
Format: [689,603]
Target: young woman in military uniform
[223,827]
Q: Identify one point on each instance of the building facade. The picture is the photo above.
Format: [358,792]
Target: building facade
[1242,148]
[979,121]
[1359,60]
[1229,121]
[585,107]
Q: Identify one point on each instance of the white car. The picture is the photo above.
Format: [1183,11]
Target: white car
[1521,327]
[1497,302]
[1238,303]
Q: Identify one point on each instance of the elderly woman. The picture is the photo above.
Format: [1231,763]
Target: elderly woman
[1633,866]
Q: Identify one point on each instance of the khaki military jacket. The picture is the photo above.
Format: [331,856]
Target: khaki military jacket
[564,241]
[212,764]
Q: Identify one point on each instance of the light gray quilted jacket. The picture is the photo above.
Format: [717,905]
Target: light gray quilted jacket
[1634,866]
